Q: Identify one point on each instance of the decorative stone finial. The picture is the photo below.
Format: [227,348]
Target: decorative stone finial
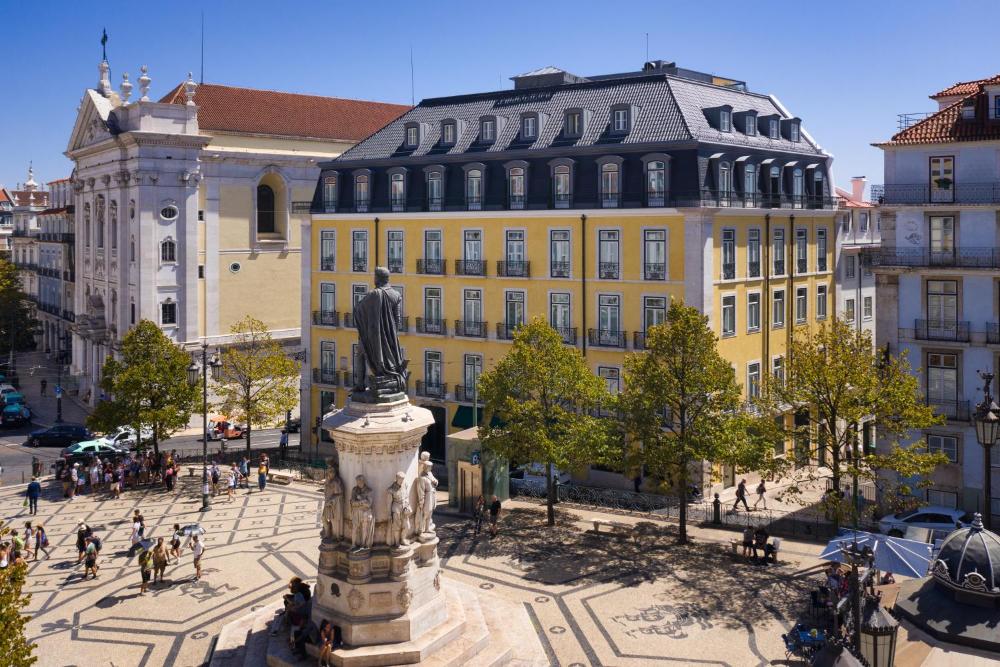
[189,88]
[30,184]
[144,82]
[104,85]
[125,89]
[977,522]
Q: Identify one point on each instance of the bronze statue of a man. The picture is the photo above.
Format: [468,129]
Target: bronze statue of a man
[381,359]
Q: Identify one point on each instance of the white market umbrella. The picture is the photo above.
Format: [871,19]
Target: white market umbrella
[891,554]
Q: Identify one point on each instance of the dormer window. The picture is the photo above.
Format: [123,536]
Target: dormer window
[996,107]
[573,124]
[330,194]
[620,120]
[448,133]
[773,128]
[793,132]
[751,125]
[487,130]
[529,127]
[562,182]
[969,108]
[725,120]
[412,137]
[361,192]
[435,188]
[397,191]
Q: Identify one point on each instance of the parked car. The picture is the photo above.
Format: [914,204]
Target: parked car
[294,425]
[536,475]
[15,414]
[220,427]
[931,516]
[124,437]
[93,448]
[6,388]
[60,435]
[12,397]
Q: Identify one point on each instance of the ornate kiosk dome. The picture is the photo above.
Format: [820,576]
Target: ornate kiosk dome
[968,565]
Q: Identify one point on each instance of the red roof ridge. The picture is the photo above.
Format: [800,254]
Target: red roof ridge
[964,87]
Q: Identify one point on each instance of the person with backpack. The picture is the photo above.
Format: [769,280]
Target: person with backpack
[262,469]
[42,540]
[145,569]
[33,492]
[90,564]
[175,543]
[761,490]
[83,531]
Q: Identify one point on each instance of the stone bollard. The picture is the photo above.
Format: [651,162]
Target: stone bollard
[716,510]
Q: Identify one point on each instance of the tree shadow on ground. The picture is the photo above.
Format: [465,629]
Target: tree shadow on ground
[699,573]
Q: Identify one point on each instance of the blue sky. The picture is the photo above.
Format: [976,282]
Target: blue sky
[846,68]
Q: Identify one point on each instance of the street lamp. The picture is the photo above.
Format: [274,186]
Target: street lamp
[857,556]
[987,428]
[194,373]
[61,354]
[878,635]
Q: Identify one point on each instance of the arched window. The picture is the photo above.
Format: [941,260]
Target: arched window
[656,182]
[798,184]
[114,225]
[725,183]
[749,185]
[361,193]
[265,210]
[516,187]
[609,185]
[168,251]
[86,224]
[435,190]
[397,191]
[562,186]
[474,189]
[330,193]
[818,186]
[99,205]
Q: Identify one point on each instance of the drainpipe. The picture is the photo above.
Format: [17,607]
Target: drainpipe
[583,282]
[765,297]
[790,290]
[376,241]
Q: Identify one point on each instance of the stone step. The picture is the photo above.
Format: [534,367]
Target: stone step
[513,641]
[474,638]
[231,646]
[260,635]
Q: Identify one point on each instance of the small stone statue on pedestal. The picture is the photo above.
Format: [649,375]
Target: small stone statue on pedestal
[333,508]
[399,513]
[426,499]
[362,518]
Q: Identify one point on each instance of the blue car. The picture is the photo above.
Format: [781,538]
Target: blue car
[15,414]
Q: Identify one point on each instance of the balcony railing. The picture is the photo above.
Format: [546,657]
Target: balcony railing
[474,202]
[610,200]
[514,269]
[993,333]
[961,258]
[427,326]
[753,269]
[434,203]
[656,198]
[901,194]
[432,389]
[396,265]
[398,204]
[57,237]
[361,205]
[506,331]
[467,394]
[656,271]
[470,267]
[515,202]
[326,318]
[568,334]
[937,330]
[639,340]
[606,338]
[359,264]
[327,264]
[403,323]
[728,271]
[431,267]
[327,376]
[559,269]
[608,270]
[348,320]
[954,410]
[562,200]
[470,328]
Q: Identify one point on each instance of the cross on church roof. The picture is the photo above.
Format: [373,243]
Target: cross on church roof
[104,42]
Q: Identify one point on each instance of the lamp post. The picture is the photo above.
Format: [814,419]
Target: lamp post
[857,556]
[194,373]
[878,635]
[987,428]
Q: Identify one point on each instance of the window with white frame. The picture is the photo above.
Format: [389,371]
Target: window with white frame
[474,189]
[793,132]
[573,124]
[753,379]
[168,251]
[432,310]
[559,261]
[412,136]
[943,444]
[560,315]
[821,249]
[942,381]
[487,130]
[725,183]
[798,188]
[514,309]
[619,120]
[753,311]
[435,190]
[330,193]
[608,254]
[778,369]
[394,250]
[562,186]
[361,193]
[473,368]
[753,253]
[778,308]
[358,292]
[751,125]
[728,315]
[168,312]
[656,182]
[610,188]
[611,376]
[448,133]
[801,304]
[778,252]
[866,308]
[515,188]
[432,368]
[655,254]
[529,127]
[725,120]
[359,250]
[654,311]
[773,128]
[327,300]
[821,293]
[849,268]
[801,250]
[728,254]
[609,314]
[849,310]
[397,191]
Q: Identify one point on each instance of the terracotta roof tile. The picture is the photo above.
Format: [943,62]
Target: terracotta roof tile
[270,112]
[4,196]
[848,200]
[961,88]
[24,198]
[947,125]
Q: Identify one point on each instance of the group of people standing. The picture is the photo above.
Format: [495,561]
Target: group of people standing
[136,469]
[24,545]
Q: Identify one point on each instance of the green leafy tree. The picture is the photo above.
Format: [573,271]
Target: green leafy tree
[17,326]
[836,376]
[147,387]
[681,405]
[544,398]
[14,645]
[260,383]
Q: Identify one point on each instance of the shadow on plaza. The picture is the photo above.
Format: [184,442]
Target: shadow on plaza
[700,574]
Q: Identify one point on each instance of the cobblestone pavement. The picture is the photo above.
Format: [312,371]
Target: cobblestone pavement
[594,599]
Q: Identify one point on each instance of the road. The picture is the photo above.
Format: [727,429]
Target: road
[15,455]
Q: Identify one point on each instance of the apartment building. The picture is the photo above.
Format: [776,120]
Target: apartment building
[591,202]
[56,270]
[858,228]
[29,200]
[937,271]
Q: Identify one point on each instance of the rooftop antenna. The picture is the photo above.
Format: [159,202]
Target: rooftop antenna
[647,47]
[201,79]
[412,94]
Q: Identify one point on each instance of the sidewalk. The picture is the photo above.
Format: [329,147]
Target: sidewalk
[811,491]
[32,367]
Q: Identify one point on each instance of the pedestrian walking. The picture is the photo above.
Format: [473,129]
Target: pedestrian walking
[245,471]
[145,569]
[283,440]
[32,493]
[45,384]
[761,490]
[83,531]
[480,512]
[29,541]
[234,479]
[197,549]
[81,479]
[159,560]
[41,541]
[175,542]
[262,468]
[494,516]
[741,495]
[136,536]
[747,540]
[90,564]
[214,473]
[74,476]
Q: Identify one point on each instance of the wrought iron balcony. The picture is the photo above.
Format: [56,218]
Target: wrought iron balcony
[562,200]
[326,318]
[327,264]
[506,331]
[728,271]
[514,269]
[470,267]
[432,389]
[656,198]
[428,326]
[961,258]
[568,334]
[944,192]
[608,270]
[431,267]
[938,330]
[610,200]
[396,265]
[470,328]
[993,333]
[606,338]
[359,264]
[361,205]
[398,204]
[515,202]
[466,394]
[953,410]
[559,269]
[753,269]
[434,203]
[656,271]
[327,376]
[329,205]
[403,324]
[474,202]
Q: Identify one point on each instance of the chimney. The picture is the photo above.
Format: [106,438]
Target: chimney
[858,187]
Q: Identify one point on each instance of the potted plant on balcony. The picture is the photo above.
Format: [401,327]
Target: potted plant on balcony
[943,183]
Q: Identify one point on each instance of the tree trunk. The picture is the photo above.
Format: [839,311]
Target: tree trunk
[835,460]
[247,432]
[156,444]
[682,513]
[551,496]
[854,483]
